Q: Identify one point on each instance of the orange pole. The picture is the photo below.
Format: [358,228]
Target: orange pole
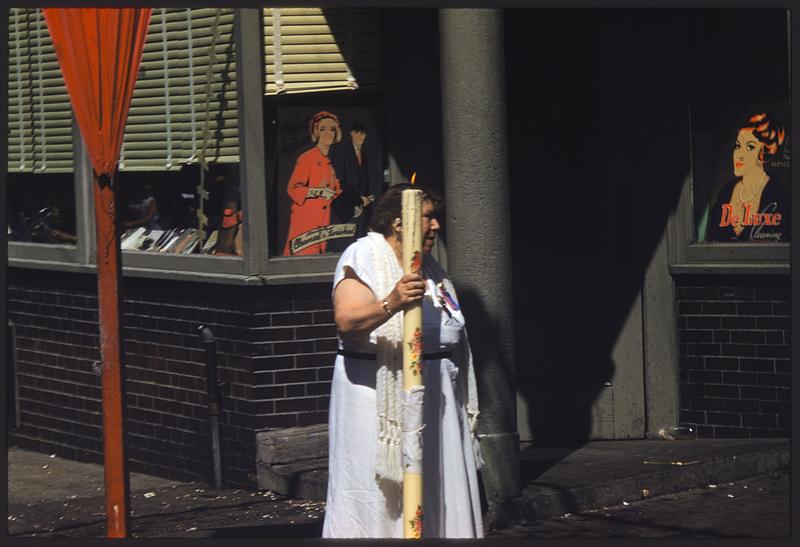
[108,293]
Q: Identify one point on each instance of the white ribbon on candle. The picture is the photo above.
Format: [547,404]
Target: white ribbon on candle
[412,429]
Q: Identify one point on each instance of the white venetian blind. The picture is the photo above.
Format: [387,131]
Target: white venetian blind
[314,49]
[39,111]
[185,95]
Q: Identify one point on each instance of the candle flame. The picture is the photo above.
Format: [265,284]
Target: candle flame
[413,177]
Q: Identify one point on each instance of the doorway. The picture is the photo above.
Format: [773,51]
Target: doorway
[574,136]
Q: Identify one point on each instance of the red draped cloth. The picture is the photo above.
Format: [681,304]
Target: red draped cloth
[99,50]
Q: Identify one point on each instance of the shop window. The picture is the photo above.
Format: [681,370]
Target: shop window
[41,208]
[740,127]
[193,211]
[324,128]
[183,115]
[184,107]
[41,196]
[327,175]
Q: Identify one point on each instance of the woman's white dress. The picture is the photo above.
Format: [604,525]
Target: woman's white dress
[360,505]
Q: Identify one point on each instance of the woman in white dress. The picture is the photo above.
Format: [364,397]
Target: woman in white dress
[370,293]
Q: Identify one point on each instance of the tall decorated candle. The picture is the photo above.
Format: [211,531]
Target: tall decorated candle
[413,388]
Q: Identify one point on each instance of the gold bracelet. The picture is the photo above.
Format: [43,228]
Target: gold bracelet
[385,305]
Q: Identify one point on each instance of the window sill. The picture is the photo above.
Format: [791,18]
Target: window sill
[731,268]
[775,253]
[198,268]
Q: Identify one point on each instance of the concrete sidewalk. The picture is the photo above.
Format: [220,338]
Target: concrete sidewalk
[563,479]
[54,497]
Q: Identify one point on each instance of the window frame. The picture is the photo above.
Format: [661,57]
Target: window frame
[687,256]
[78,257]
[252,167]
[255,266]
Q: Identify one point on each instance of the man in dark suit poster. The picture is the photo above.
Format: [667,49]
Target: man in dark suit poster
[351,163]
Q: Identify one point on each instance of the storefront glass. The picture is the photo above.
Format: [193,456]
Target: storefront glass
[741,126]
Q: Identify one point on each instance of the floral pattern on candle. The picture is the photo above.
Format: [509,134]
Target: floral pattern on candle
[416,523]
[415,346]
[416,263]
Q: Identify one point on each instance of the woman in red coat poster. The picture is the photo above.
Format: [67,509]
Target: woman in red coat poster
[312,188]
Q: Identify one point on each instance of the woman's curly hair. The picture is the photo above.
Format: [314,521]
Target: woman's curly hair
[768,131]
[390,206]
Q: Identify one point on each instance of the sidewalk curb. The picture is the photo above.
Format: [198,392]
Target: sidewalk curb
[542,501]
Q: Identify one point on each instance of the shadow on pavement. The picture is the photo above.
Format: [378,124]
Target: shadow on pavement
[541,456]
[301,530]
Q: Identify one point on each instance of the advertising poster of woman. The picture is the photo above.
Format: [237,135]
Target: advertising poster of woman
[752,199]
[328,169]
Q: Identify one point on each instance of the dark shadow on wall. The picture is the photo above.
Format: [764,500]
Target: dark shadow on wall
[599,151]
[599,138]
[575,262]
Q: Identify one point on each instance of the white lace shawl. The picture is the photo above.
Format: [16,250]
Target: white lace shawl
[389,378]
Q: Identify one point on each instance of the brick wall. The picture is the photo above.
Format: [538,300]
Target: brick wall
[276,348]
[275,351]
[734,337]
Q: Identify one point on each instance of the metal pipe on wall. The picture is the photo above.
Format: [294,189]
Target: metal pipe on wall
[213,398]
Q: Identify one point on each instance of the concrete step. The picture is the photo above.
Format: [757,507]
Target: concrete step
[307,479]
[599,474]
[293,461]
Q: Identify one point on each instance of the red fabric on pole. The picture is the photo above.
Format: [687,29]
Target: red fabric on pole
[99,50]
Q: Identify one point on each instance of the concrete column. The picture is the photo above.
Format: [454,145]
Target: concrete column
[478,232]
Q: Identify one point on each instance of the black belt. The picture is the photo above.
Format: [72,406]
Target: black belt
[373,357]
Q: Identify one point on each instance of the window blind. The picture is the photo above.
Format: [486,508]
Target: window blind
[314,49]
[39,111]
[184,103]
[183,106]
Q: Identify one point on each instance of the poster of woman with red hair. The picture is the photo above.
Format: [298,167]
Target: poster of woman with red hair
[752,203]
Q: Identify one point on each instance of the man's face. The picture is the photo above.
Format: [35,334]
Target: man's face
[358,137]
